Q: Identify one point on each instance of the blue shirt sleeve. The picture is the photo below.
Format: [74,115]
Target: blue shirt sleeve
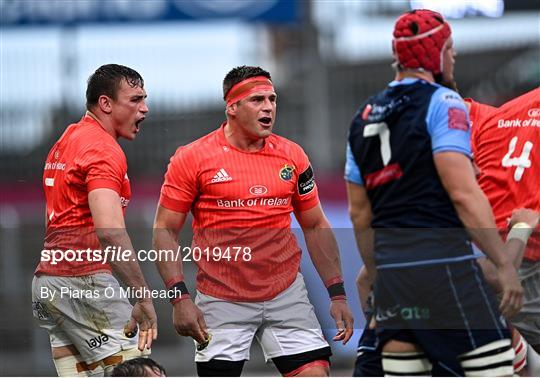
[448,123]
[352,171]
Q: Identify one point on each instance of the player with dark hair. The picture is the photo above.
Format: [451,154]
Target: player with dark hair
[414,201]
[139,367]
[241,183]
[238,75]
[92,327]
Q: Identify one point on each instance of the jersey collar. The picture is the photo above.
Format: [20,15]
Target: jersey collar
[405,81]
[268,142]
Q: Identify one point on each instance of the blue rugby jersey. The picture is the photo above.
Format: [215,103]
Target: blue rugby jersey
[392,140]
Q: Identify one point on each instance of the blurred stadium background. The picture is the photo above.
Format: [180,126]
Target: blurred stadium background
[326,57]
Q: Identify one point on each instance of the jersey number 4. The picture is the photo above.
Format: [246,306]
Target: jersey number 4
[520,162]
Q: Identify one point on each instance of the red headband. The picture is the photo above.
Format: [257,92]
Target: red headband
[241,90]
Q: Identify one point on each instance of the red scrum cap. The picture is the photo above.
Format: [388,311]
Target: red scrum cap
[419,38]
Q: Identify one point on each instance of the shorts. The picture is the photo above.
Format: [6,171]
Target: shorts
[283,326]
[527,321]
[447,309]
[88,312]
[368,358]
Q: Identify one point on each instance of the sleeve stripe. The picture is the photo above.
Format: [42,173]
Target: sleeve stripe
[104,183]
[306,205]
[353,180]
[174,204]
[452,149]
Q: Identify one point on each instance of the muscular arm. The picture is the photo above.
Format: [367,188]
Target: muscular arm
[321,242]
[515,248]
[111,231]
[472,206]
[364,286]
[360,213]
[188,320]
[324,253]
[167,226]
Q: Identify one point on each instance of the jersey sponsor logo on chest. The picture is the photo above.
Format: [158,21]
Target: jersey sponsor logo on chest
[534,113]
[221,176]
[252,202]
[258,190]
[529,122]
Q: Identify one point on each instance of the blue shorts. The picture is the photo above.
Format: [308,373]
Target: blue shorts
[368,361]
[446,309]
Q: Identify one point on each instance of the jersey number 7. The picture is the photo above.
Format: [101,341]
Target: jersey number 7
[381,129]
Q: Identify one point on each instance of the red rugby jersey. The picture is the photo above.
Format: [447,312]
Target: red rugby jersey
[478,113]
[242,199]
[85,158]
[506,148]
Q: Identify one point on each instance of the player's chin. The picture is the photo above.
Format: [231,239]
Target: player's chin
[265,133]
[265,129]
[136,128]
[131,135]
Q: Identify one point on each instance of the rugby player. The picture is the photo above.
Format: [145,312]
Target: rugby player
[241,183]
[414,202]
[503,145]
[91,326]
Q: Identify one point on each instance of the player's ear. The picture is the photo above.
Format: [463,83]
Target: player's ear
[230,110]
[104,103]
